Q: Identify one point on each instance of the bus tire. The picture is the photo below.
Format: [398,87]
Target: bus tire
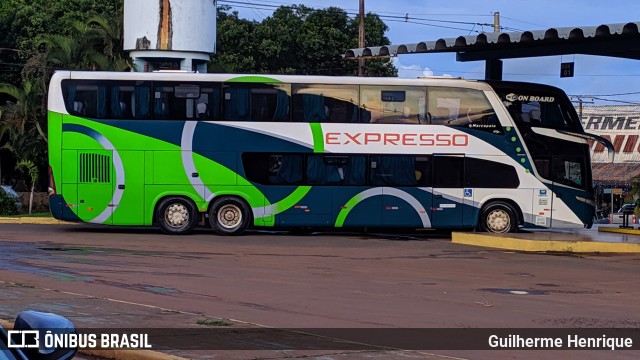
[176,216]
[229,215]
[499,217]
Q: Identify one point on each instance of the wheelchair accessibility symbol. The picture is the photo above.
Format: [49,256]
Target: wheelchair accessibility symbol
[468,193]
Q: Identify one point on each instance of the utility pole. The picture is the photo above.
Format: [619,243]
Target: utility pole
[361,38]
[496,21]
[580,102]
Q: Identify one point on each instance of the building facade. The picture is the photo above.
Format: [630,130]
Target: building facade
[621,125]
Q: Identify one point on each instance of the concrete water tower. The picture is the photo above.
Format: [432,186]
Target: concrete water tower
[170,34]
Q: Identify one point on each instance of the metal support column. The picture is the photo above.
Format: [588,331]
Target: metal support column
[493,69]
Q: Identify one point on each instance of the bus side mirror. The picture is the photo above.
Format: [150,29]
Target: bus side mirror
[44,322]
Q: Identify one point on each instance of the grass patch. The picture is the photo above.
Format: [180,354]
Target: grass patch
[213,323]
[38,214]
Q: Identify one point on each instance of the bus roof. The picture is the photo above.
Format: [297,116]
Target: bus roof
[265,78]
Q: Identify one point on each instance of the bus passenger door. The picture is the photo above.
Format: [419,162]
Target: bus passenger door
[448,192]
[95,186]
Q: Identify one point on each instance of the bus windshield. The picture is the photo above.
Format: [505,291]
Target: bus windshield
[538,106]
[534,106]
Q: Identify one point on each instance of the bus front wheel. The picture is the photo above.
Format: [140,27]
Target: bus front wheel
[229,216]
[499,217]
[176,216]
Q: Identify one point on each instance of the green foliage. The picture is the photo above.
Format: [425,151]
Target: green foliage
[22,123]
[234,44]
[27,20]
[42,36]
[28,167]
[296,40]
[26,107]
[635,190]
[7,205]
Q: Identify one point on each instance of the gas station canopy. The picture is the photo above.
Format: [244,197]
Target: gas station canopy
[613,40]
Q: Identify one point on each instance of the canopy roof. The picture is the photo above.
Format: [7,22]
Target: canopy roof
[615,40]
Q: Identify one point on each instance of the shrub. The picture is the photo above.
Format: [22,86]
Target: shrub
[7,204]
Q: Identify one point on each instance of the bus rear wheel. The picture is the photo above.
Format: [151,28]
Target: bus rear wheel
[176,216]
[229,216]
[499,217]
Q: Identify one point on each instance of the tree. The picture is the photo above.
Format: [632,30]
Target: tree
[40,36]
[31,169]
[22,133]
[235,45]
[296,40]
[635,190]
[374,36]
[26,109]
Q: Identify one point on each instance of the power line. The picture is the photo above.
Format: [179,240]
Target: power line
[433,25]
[406,17]
[620,94]
[522,21]
[256,11]
[354,10]
[616,101]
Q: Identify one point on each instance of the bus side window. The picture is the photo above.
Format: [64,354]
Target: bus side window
[85,99]
[467,108]
[256,102]
[325,103]
[290,170]
[336,170]
[448,171]
[394,170]
[325,170]
[141,101]
[355,171]
[394,104]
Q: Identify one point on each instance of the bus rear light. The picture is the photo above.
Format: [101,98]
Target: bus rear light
[52,183]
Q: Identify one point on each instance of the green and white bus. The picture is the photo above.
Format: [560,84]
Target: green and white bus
[237,151]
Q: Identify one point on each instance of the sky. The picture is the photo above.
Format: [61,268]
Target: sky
[603,77]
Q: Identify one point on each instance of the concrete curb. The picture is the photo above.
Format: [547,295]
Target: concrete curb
[520,244]
[116,354]
[33,220]
[619,230]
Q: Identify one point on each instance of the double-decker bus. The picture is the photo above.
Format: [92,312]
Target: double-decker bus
[236,151]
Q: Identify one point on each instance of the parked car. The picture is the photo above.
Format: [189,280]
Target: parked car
[600,217]
[625,210]
[12,194]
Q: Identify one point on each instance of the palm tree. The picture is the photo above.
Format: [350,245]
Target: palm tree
[32,170]
[4,134]
[27,108]
[106,37]
[92,45]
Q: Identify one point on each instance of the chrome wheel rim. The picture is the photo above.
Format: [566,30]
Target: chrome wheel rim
[176,215]
[229,216]
[498,221]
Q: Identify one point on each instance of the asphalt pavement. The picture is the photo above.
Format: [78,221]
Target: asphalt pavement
[132,278]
